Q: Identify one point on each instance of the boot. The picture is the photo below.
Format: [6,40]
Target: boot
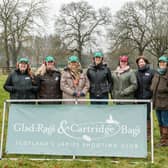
[164,137]
[148,130]
[166,140]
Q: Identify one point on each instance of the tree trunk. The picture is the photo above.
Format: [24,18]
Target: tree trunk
[14,52]
[14,59]
[7,53]
[140,51]
[79,50]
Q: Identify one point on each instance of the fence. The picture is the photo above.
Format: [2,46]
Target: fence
[6,70]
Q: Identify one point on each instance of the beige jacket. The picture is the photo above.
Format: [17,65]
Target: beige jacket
[68,87]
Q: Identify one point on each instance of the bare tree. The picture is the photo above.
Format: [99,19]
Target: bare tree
[58,49]
[159,29]
[38,47]
[78,23]
[18,20]
[131,24]
[7,8]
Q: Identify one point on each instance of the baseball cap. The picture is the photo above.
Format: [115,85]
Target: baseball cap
[73,58]
[25,60]
[49,58]
[98,54]
[124,58]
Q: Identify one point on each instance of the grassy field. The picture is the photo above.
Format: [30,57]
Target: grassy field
[160,154]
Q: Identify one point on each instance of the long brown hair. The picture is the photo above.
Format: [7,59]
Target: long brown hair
[29,71]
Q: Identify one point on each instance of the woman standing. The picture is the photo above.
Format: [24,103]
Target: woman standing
[100,79]
[74,82]
[21,83]
[49,80]
[124,80]
[159,88]
[144,78]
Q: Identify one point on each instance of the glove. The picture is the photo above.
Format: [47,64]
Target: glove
[74,94]
[82,94]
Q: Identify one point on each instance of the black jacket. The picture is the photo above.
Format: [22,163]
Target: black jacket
[21,86]
[144,79]
[50,85]
[100,79]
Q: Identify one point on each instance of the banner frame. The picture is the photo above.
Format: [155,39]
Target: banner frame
[75,101]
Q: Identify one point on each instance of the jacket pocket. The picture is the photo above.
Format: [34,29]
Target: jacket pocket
[161,102]
[104,88]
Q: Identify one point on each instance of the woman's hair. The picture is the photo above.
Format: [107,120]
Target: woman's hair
[29,71]
[41,70]
[142,57]
[78,65]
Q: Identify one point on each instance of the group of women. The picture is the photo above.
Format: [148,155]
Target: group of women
[73,82]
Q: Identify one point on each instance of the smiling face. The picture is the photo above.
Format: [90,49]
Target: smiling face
[50,65]
[74,64]
[123,64]
[162,64]
[23,66]
[98,60]
[141,63]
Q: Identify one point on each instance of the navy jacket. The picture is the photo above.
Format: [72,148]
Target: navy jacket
[144,79]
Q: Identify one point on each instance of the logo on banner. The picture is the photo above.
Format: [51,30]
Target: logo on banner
[93,131]
[81,131]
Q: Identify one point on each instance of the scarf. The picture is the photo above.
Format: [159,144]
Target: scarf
[75,73]
[162,71]
[120,70]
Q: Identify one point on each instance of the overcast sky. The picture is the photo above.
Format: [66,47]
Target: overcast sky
[113,4]
[55,5]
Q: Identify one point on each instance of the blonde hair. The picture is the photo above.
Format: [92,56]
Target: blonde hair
[78,66]
[41,70]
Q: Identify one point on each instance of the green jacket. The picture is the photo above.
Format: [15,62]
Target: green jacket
[124,84]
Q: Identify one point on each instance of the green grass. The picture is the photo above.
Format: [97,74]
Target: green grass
[160,154]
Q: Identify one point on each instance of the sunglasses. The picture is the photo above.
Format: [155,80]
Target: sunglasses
[23,62]
[73,62]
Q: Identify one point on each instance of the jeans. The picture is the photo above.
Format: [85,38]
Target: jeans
[162,116]
[104,96]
